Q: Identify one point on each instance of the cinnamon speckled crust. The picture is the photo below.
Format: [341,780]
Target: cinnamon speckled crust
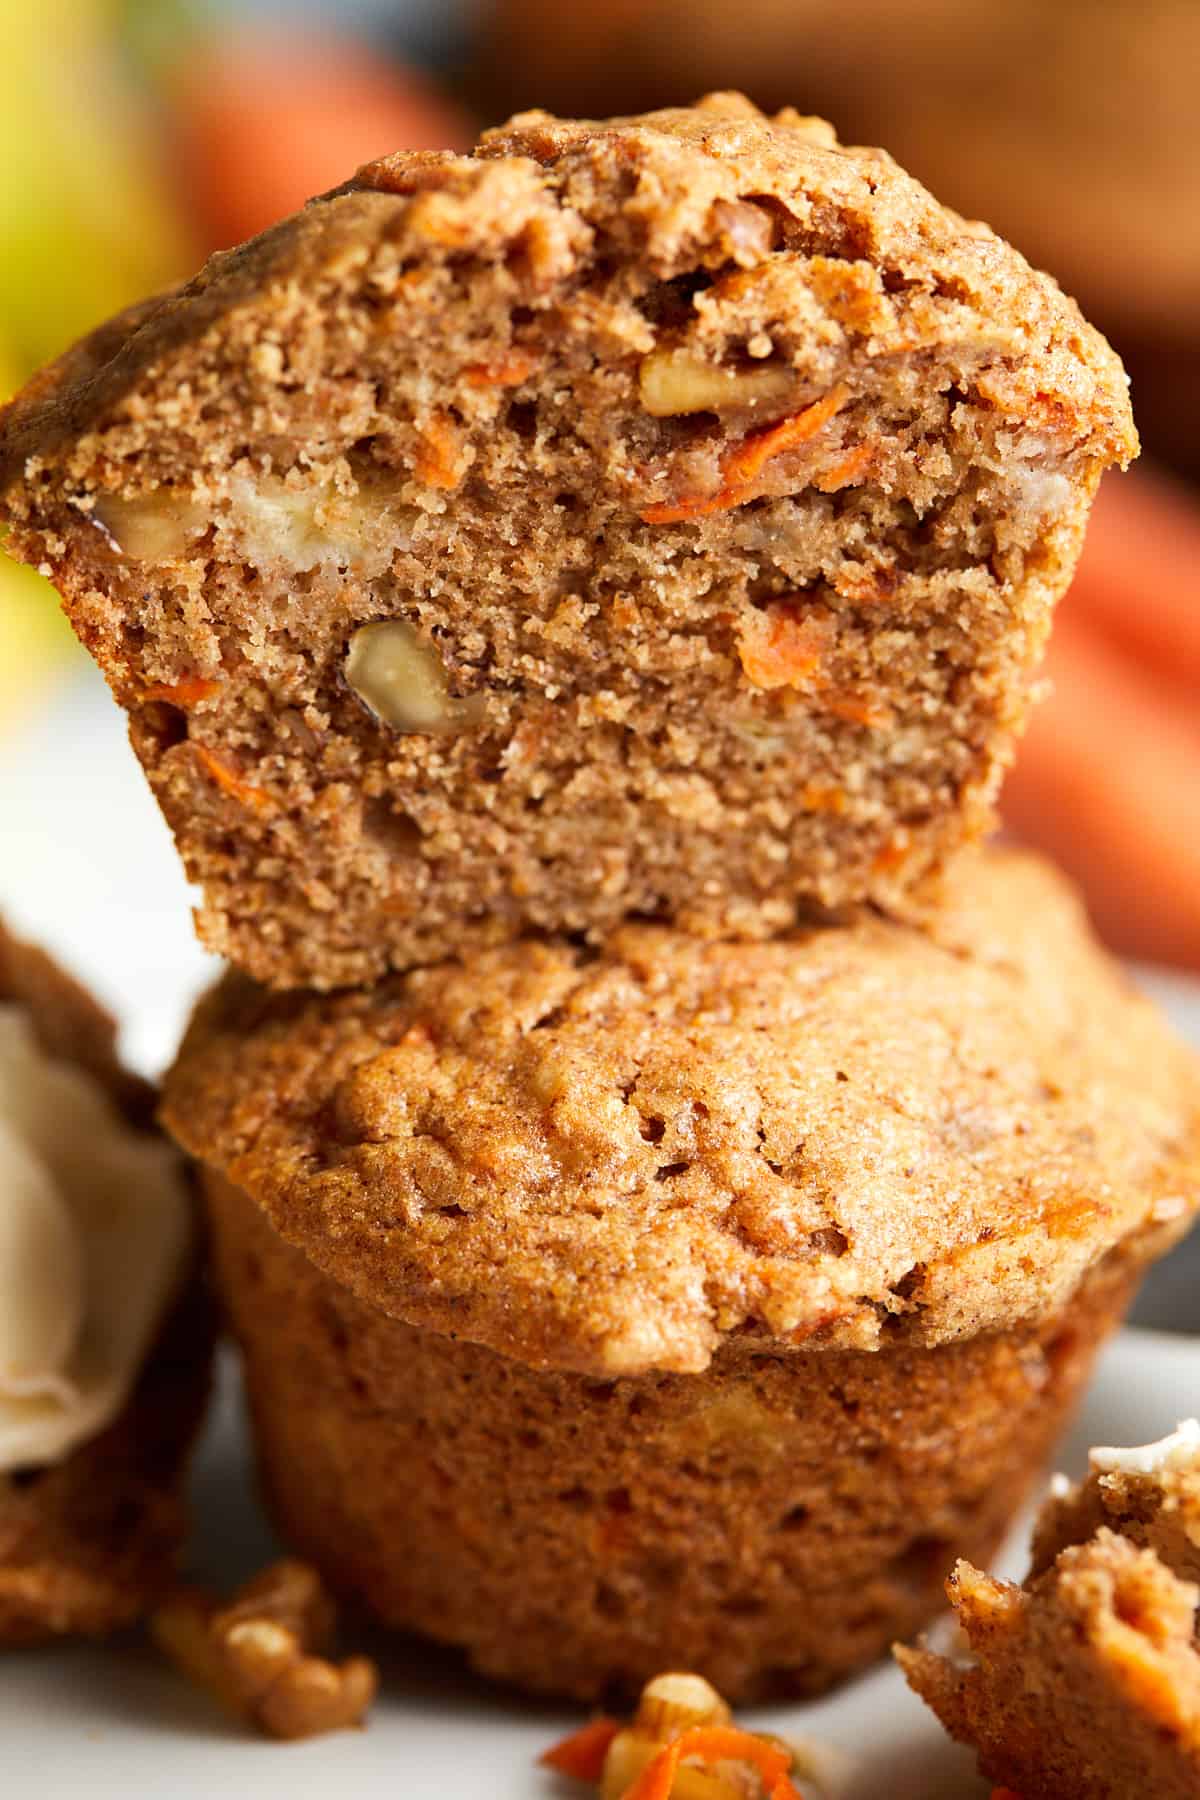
[713,674]
[88,1545]
[772,1522]
[615,1160]
[1084,1684]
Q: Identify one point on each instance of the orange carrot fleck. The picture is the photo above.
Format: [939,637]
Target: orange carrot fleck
[747,460]
[582,1754]
[672,512]
[710,1744]
[822,797]
[849,470]
[189,690]
[857,711]
[509,370]
[779,648]
[893,853]
[256,798]
[801,1333]
[752,456]
[438,458]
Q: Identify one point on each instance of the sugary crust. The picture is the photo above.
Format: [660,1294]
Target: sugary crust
[772,1522]
[715,674]
[613,1161]
[87,1545]
[1087,1683]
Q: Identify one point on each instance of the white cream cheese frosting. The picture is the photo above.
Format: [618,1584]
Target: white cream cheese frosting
[95,1230]
[1179,1450]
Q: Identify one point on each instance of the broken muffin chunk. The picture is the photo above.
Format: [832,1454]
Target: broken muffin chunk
[657,517]
[1086,1681]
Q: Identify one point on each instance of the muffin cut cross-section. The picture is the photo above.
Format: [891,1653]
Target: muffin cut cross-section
[661,516]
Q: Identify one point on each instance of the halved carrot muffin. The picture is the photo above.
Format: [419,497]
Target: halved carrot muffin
[661,516]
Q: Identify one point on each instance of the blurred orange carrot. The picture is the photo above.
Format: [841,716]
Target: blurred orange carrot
[1108,782]
[1139,582]
[261,120]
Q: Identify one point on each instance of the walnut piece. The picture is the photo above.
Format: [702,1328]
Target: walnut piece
[299,528]
[399,675]
[677,381]
[259,1655]
[154,528]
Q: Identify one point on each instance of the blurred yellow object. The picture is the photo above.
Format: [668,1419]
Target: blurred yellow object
[34,636]
[86,219]
[86,227]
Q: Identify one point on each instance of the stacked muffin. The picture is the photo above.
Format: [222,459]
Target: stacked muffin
[585,594]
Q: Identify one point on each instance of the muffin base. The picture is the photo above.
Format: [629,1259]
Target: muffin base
[774,1523]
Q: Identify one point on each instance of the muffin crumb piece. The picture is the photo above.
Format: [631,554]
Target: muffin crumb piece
[260,1653]
[1087,1680]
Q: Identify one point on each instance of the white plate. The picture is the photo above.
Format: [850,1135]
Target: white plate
[87,868]
[111,1723]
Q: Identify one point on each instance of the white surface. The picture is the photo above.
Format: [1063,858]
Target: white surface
[87,868]
[115,1723]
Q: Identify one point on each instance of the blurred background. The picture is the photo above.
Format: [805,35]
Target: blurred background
[139,135]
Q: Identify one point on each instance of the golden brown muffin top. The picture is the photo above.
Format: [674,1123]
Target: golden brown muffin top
[612,1161]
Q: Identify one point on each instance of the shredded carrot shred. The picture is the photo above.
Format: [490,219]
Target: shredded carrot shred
[506,371]
[893,853]
[803,1332]
[857,711]
[188,691]
[849,470]
[582,1754]
[437,460]
[256,798]
[752,456]
[710,1744]
[746,462]
[782,649]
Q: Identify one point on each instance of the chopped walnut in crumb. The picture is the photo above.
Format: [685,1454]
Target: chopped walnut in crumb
[398,674]
[673,382]
[260,1654]
[682,1744]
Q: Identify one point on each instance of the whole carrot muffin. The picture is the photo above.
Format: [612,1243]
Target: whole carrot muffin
[679,1303]
[661,516]
[105,1335]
